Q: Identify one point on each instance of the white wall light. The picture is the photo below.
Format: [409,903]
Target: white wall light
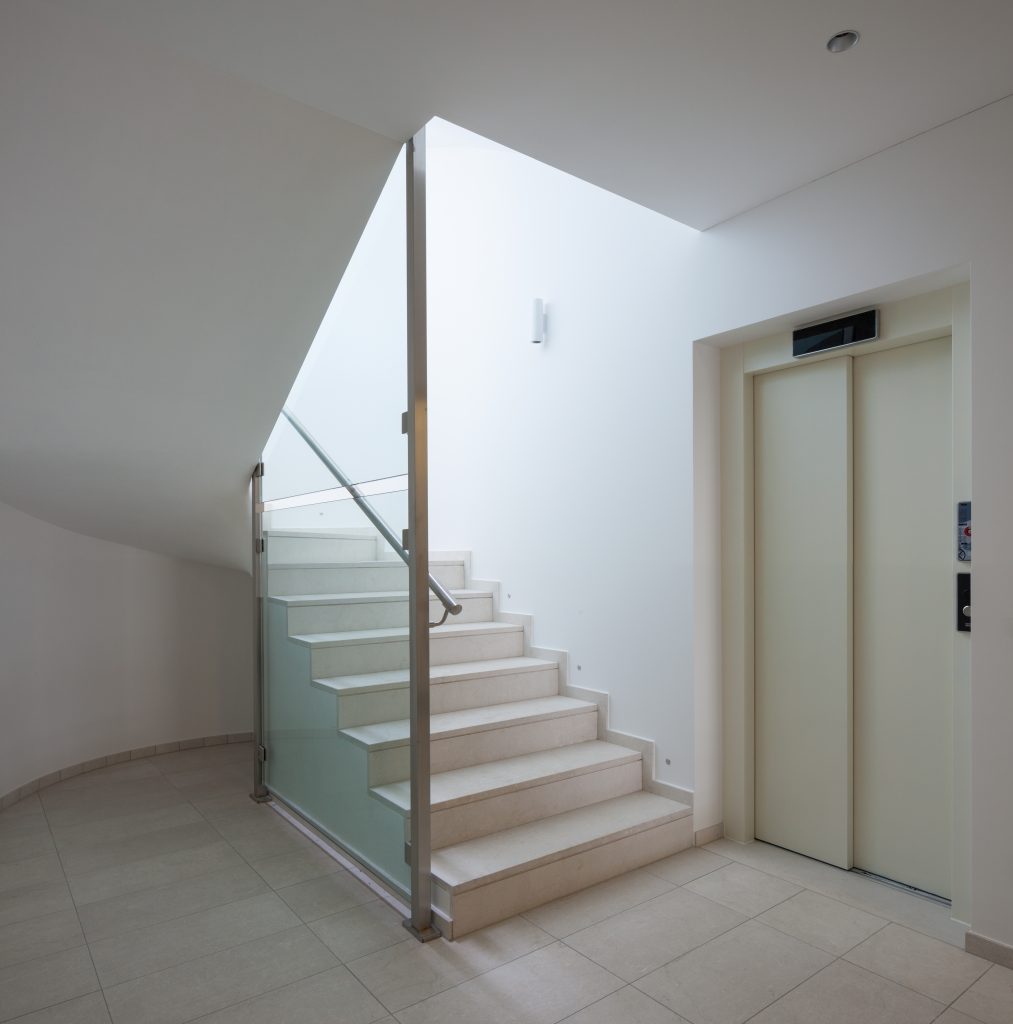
[539,319]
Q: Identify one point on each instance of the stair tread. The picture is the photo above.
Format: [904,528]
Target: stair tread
[371,682]
[365,597]
[480,781]
[480,861]
[469,720]
[366,636]
[391,563]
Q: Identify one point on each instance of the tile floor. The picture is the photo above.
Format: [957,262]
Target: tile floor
[155,892]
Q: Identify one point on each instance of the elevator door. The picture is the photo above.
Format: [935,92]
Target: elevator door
[904,614]
[853,505]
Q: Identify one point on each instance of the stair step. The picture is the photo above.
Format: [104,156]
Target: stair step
[320,613]
[302,578]
[371,697]
[303,546]
[384,735]
[358,651]
[502,854]
[375,682]
[393,634]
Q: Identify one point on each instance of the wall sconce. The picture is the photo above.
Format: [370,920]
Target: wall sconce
[539,319]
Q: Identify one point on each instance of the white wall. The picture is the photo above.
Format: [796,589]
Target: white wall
[108,648]
[566,468]
[940,200]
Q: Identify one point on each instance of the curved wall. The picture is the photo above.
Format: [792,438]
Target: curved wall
[107,648]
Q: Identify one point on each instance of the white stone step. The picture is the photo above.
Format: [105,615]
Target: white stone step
[485,798]
[383,696]
[316,546]
[291,578]
[497,876]
[477,735]
[378,609]
[377,650]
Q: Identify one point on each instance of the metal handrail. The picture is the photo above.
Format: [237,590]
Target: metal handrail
[451,607]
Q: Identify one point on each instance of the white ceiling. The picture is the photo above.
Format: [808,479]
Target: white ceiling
[699,109]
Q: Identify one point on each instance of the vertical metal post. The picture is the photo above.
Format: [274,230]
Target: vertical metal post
[420,924]
[259,792]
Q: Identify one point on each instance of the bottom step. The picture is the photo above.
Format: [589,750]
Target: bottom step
[492,878]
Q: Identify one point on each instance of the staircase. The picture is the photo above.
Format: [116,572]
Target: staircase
[529,803]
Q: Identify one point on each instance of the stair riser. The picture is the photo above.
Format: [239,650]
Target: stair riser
[483,817]
[353,659]
[321,549]
[354,579]
[392,764]
[499,900]
[336,618]
[392,705]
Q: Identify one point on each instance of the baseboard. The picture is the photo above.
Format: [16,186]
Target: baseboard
[71,771]
[709,834]
[989,949]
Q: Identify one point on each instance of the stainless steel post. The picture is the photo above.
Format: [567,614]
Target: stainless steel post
[420,924]
[259,792]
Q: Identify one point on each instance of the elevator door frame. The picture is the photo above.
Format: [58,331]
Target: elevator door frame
[924,318]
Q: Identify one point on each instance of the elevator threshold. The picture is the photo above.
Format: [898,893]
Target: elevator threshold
[902,886]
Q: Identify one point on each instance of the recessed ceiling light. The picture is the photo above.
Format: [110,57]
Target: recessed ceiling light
[842,41]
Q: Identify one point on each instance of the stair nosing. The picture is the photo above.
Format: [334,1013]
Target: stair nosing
[575,771]
[679,810]
[576,707]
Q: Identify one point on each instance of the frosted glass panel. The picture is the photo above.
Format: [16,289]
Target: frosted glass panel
[323,563]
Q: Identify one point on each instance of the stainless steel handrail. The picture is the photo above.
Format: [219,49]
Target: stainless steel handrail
[451,607]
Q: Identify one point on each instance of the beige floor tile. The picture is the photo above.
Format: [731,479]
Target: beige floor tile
[89,1009]
[80,858]
[917,961]
[734,976]
[39,936]
[411,971]
[196,758]
[30,873]
[848,887]
[327,998]
[640,940]
[952,1016]
[627,1006]
[990,998]
[24,844]
[23,904]
[124,771]
[582,909]
[152,872]
[110,830]
[157,948]
[360,931]
[542,987]
[685,866]
[823,922]
[214,982]
[328,894]
[45,981]
[844,994]
[134,910]
[742,888]
[72,806]
[257,841]
[298,866]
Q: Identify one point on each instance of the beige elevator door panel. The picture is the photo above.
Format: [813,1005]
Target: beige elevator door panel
[904,614]
[803,642]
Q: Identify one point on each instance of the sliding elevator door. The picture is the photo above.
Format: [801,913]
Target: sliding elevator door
[904,614]
[854,537]
[803,643]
